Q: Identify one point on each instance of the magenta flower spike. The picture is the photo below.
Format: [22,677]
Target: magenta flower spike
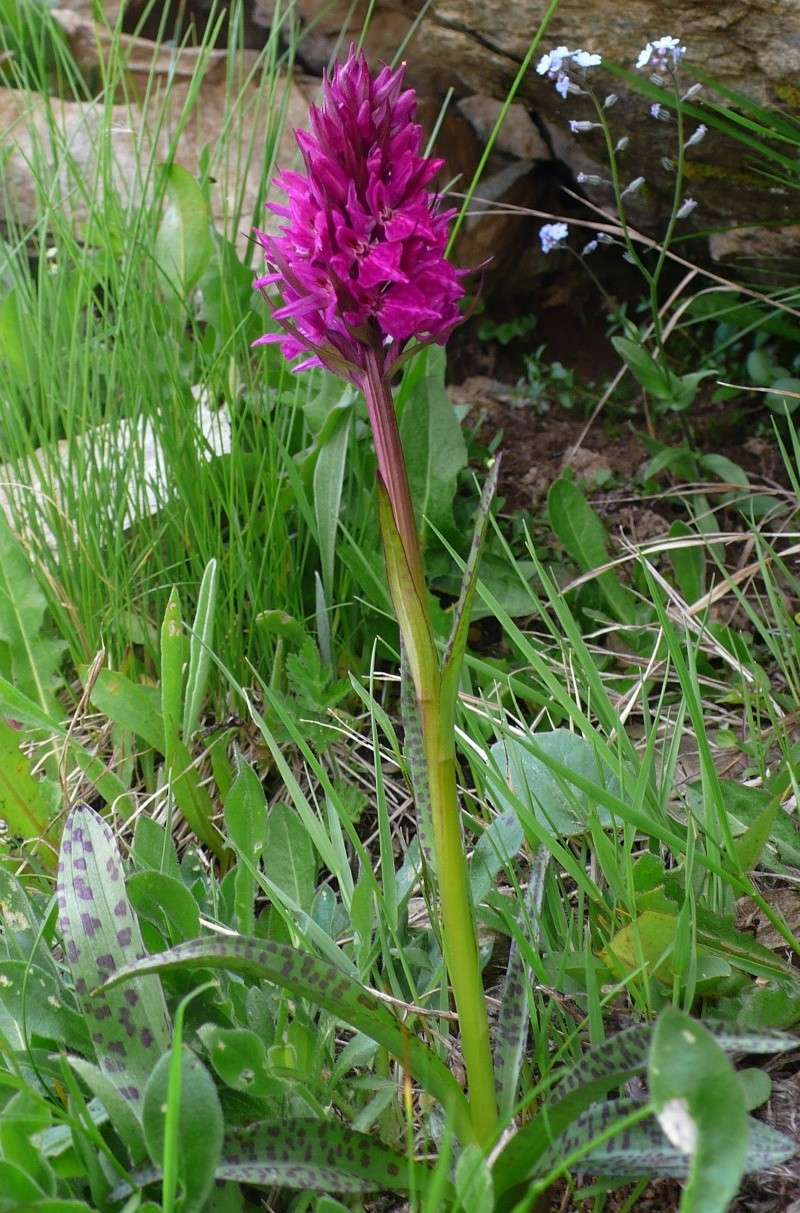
[360,260]
[360,268]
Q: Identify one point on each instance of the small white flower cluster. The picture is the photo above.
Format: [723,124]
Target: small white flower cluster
[555,63]
[661,55]
[552,235]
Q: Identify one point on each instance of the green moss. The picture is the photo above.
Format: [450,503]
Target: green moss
[699,170]
[789,94]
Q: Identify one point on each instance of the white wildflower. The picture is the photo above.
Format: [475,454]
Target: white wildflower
[550,64]
[662,54]
[585,59]
[563,85]
[555,62]
[696,136]
[685,208]
[552,235]
[635,185]
[579,128]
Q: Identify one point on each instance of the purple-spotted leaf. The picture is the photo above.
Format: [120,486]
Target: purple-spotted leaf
[120,1112]
[311,1155]
[604,1068]
[322,983]
[129,1028]
[645,1150]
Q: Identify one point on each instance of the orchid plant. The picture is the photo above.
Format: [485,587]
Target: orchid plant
[360,265]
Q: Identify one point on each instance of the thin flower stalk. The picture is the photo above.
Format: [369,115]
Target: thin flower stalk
[361,269]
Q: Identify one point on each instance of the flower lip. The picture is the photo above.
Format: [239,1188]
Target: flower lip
[360,257]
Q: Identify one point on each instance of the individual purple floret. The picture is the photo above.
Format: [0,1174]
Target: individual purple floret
[360,261]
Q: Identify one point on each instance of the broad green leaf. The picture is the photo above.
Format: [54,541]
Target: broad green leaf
[584,536]
[688,563]
[328,482]
[130,705]
[32,1003]
[433,443]
[130,1027]
[17,706]
[462,615]
[173,657]
[290,861]
[28,803]
[562,808]
[785,396]
[245,812]
[166,902]
[199,1125]
[34,658]
[323,984]
[200,644]
[239,1057]
[699,1103]
[496,847]
[412,614]
[18,1189]
[119,1110]
[184,244]
[473,1182]
[725,469]
[655,379]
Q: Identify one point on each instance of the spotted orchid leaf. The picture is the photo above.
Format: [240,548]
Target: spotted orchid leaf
[310,1155]
[604,1068]
[129,1028]
[645,1150]
[325,985]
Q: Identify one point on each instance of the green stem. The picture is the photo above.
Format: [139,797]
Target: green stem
[458,923]
[409,597]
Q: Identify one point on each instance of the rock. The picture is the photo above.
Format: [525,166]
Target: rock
[230,95]
[518,136]
[475,47]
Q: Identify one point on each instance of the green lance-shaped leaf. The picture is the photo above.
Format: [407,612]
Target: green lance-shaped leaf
[33,657]
[433,442]
[700,1106]
[583,535]
[414,752]
[312,1155]
[28,803]
[411,611]
[129,1028]
[200,642]
[513,1019]
[184,245]
[457,643]
[324,984]
[198,1130]
[644,1150]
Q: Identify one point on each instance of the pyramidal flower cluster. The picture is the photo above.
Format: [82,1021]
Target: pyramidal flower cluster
[360,259]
